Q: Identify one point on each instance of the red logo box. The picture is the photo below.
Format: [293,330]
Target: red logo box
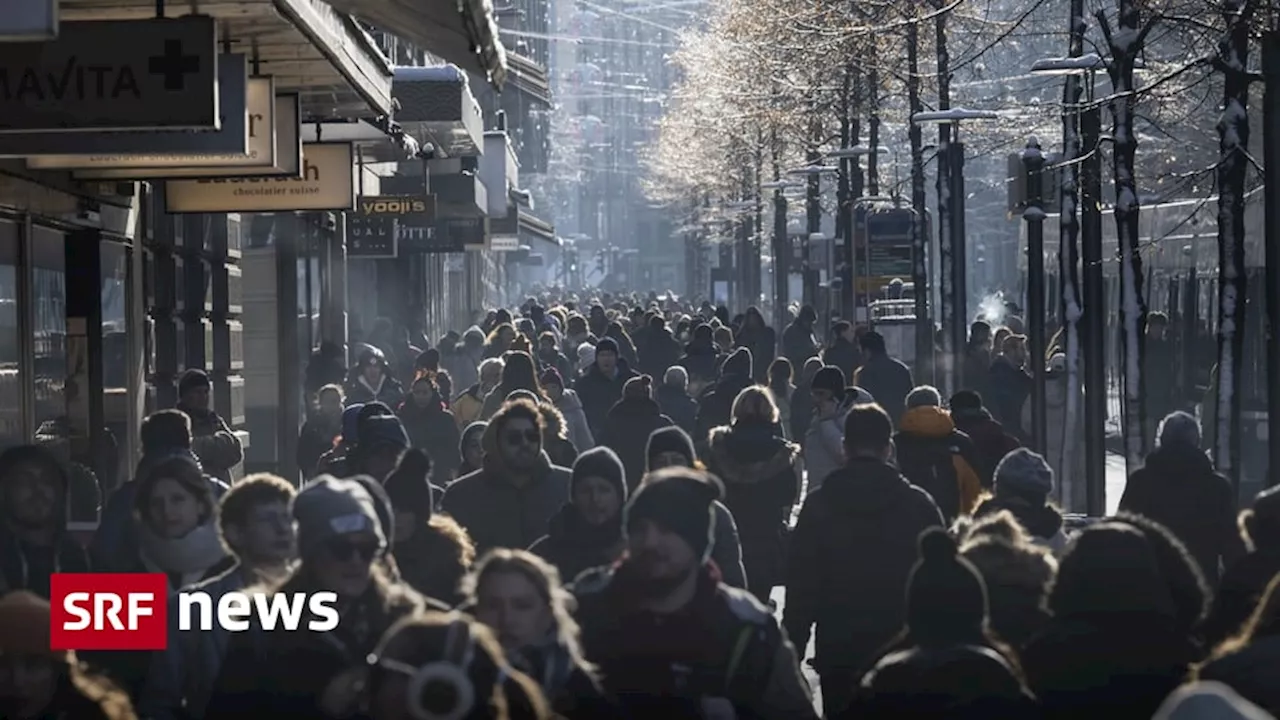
[109,611]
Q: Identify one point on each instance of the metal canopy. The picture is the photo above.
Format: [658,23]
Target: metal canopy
[530,78]
[309,48]
[462,32]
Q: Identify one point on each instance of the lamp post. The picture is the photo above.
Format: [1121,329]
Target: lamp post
[781,252]
[813,173]
[951,236]
[1034,215]
[1093,340]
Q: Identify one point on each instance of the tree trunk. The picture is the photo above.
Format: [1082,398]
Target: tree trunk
[951,359]
[1233,143]
[919,229]
[1073,485]
[1125,43]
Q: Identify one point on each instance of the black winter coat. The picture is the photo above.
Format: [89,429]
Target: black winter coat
[434,430]
[888,381]
[677,405]
[850,553]
[573,546]
[599,394]
[626,432]
[1178,488]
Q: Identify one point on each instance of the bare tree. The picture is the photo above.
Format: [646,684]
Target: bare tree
[1233,142]
[1125,43]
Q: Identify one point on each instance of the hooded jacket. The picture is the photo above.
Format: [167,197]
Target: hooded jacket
[27,567]
[1042,522]
[574,546]
[495,511]
[926,437]
[851,551]
[990,441]
[762,474]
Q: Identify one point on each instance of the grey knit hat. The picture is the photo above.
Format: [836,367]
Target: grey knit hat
[328,507]
[1024,473]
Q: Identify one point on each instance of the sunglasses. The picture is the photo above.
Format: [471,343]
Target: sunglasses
[531,437]
[343,550]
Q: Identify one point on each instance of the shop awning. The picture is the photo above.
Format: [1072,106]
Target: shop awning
[436,106]
[526,226]
[529,78]
[462,32]
[309,47]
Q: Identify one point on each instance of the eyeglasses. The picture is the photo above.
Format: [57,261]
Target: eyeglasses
[344,550]
[532,437]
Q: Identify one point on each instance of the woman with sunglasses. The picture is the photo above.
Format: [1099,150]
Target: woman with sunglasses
[340,543]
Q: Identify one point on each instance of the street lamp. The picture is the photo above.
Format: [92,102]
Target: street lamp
[781,249]
[1092,344]
[951,232]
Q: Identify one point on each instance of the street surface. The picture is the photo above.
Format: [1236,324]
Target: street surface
[1115,488]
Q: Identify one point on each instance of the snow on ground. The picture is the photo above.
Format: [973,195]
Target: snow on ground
[1115,488]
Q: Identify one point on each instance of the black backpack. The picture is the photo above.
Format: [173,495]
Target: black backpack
[929,463]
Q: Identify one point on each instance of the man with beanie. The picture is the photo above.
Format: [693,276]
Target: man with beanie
[340,541]
[431,550]
[1023,483]
[383,442]
[510,499]
[990,441]
[831,400]
[850,553]
[1179,488]
[164,434]
[600,386]
[671,641]
[587,531]
[935,456]
[212,440]
[672,447]
[716,406]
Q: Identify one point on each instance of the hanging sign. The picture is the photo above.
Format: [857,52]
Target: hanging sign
[327,183]
[239,99]
[283,144]
[370,236]
[113,75]
[28,20]
[409,210]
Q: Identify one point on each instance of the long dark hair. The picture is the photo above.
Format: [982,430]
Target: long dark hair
[519,373]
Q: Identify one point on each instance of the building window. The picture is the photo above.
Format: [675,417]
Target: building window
[11,380]
[115,336]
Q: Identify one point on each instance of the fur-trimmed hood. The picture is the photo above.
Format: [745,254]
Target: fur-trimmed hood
[751,454]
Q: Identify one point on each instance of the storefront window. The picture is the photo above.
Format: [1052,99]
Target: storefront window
[49,306]
[115,343]
[10,348]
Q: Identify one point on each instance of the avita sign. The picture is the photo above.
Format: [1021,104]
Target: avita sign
[113,75]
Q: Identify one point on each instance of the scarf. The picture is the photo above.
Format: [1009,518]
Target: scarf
[187,556]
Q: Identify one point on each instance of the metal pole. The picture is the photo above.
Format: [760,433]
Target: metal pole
[945,272]
[813,224]
[849,286]
[1271,155]
[1094,312]
[959,263]
[1033,162]
[781,262]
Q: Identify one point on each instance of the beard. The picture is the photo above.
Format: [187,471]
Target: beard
[647,586]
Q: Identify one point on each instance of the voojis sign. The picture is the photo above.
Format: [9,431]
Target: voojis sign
[408,210]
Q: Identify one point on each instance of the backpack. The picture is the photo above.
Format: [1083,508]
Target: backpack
[930,465]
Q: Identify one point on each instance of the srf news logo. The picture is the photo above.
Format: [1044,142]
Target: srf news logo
[130,611]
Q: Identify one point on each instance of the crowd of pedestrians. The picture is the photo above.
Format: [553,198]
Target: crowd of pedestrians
[641,508]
